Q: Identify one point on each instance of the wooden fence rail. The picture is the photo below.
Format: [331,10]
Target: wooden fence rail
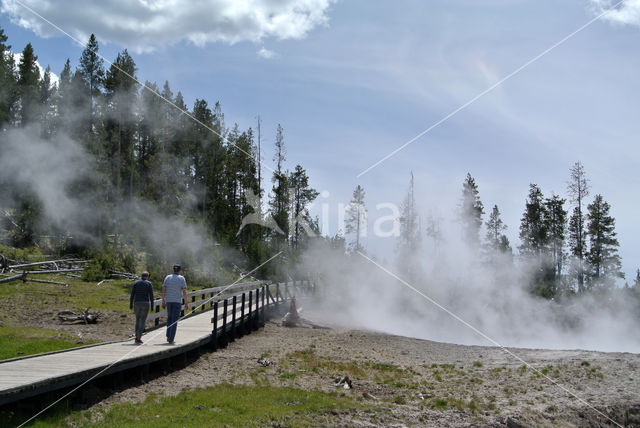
[251,307]
[206,296]
[206,299]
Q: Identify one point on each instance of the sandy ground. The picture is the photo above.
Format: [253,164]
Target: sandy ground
[410,382]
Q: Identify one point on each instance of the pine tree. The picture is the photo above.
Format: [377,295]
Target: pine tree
[578,189]
[121,95]
[48,94]
[302,195]
[356,221]
[28,215]
[78,119]
[495,238]
[505,246]
[471,211]
[534,233]
[556,223]
[149,161]
[28,87]
[410,239]
[7,82]
[280,200]
[433,230]
[604,262]
[92,72]
[534,247]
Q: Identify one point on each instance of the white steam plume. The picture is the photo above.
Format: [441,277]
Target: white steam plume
[356,293]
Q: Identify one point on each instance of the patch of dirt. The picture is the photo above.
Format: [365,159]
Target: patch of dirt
[410,382]
[112,325]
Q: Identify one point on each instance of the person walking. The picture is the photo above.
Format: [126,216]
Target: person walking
[141,301]
[174,289]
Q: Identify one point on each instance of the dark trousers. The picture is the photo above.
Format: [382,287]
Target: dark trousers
[173,314]
[141,309]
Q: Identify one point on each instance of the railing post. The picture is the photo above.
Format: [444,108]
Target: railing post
[233,319]
[214,333]
[243,324]
[250,315]
[204,303]
[277,291]
[224,320]
[193,300]
[157,321]
[264,289]
[256,314]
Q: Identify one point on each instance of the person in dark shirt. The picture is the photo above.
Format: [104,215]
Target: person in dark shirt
[141,301]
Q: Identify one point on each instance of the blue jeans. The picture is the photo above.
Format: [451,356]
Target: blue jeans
[141,309]
[173,314]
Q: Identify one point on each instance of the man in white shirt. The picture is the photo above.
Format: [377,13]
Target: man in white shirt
[174,289]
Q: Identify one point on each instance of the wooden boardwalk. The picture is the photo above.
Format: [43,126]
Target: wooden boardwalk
[30,376]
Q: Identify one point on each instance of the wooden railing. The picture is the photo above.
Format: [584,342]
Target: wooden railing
[205,296]
[239,314]
[208,298]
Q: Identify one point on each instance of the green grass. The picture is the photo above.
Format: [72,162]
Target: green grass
[21,341]
[110,295]
[32,254]
[307,359]
[220,405]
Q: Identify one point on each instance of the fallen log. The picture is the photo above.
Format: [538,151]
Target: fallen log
[41,272]
[22,276]
[70,275]
[53,262]
[120,275]
[43,281]
[123,274]
[85,317]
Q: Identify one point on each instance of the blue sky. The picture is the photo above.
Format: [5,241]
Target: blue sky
[351,81]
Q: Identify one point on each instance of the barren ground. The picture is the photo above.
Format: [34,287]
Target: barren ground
[410,382]
[401,381]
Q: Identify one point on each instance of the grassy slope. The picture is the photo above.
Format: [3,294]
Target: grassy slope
[21,341]
[219,405]
[25,306]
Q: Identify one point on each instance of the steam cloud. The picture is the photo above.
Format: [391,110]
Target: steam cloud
[356,293]
[62,176]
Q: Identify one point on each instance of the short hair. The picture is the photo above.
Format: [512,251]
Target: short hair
[145,274]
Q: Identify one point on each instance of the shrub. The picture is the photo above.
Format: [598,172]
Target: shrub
[98,267]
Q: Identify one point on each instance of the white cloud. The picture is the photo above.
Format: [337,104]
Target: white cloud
[146,25]
[626,13]
[54,77]
[266,53]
